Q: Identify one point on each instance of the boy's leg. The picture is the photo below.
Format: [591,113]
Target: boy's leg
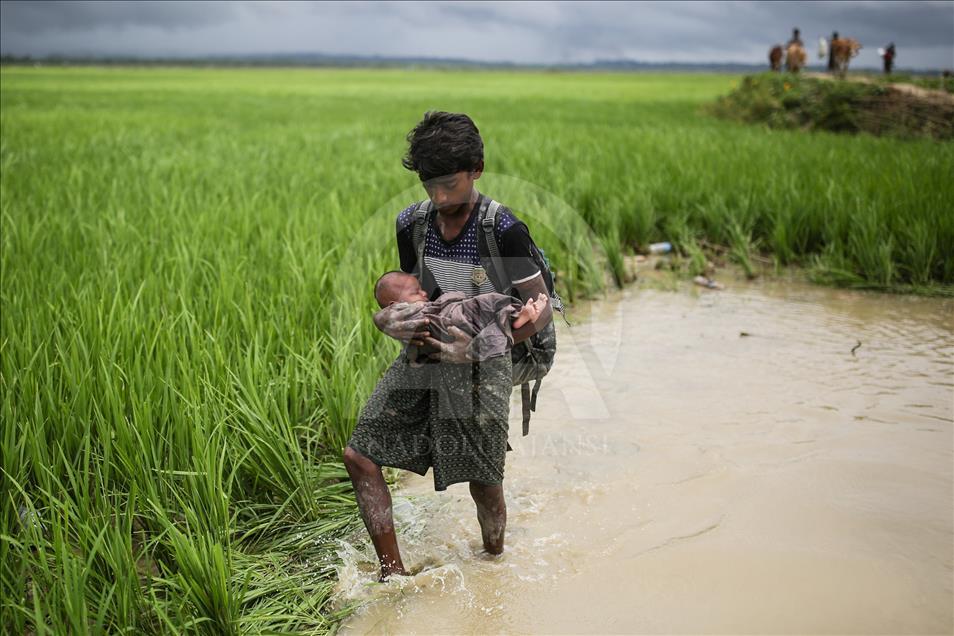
[374,502]
[491,513]
[469,431]
[391,431]
[492,388]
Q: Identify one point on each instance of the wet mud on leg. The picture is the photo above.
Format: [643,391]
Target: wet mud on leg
[374,503]
[491,514]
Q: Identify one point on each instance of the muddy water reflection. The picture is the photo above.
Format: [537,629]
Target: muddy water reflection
[681,477]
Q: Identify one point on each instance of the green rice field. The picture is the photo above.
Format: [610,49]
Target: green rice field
[187,261]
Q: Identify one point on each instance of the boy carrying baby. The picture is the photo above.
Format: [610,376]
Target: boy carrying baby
[489,319]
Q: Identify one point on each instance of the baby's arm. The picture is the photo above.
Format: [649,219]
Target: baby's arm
[530,311]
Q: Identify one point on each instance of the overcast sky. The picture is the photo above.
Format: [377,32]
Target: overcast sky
[530,32]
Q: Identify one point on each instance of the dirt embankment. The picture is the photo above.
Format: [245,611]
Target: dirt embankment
[815,101]
[912,90]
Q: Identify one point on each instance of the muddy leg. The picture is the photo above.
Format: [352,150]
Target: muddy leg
[491,513]
[374,502]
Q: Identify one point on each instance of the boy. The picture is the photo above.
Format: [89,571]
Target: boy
[451,417]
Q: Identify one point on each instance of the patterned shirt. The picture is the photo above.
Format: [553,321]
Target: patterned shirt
[451,263]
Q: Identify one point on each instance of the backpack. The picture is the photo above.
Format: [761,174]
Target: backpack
[532,358]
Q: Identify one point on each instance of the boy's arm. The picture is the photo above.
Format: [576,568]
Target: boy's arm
[527,290]
[515,248]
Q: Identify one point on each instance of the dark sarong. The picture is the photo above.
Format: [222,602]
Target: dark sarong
[449,417]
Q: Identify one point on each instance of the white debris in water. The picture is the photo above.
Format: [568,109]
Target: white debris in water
[557,539]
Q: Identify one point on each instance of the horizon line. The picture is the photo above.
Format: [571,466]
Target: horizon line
[310,58]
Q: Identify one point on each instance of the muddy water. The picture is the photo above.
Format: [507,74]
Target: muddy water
[680,477]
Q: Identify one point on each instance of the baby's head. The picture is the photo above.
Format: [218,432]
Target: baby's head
[398,287]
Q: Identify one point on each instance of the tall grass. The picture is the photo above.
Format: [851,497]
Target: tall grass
[187,260]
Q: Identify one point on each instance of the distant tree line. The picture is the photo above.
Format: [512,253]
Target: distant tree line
[319,60]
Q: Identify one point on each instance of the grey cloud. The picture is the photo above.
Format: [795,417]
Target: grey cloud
[34,17]
[534,32]
[725,25]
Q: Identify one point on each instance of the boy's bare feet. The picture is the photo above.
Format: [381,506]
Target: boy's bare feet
[388,571]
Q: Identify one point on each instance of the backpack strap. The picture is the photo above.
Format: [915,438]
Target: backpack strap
[421,220]
[528,402]
[488,219]
[525,405]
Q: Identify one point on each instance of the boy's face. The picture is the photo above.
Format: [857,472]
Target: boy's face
[451,193]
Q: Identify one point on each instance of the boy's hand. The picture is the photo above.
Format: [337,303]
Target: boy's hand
[454,352]
[395,324]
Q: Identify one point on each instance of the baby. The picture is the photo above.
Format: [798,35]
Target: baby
[488,318]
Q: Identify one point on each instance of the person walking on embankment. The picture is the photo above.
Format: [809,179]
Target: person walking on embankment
[831,52]
[888,57]
[796,39]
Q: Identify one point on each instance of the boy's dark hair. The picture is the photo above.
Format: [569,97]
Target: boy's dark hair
[442,144]
[384,281]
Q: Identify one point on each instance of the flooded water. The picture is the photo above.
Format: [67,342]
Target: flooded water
[682,477]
